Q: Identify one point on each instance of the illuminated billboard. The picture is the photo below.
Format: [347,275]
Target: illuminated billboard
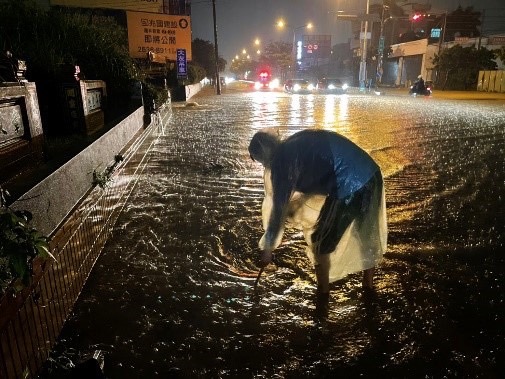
[158,36]
[153,6]
[316,46]
[313,51]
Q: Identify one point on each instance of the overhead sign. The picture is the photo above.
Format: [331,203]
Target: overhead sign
[368,35]
[154,6]
[316,46]
[158,36]
[497,40]
[359,17]
[182,64]
[299,46]
[381,44]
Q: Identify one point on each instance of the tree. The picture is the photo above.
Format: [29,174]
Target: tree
[458,67]
[279,56]
[204,55]
[49,39]
[341,61]
[461,23]
[500,53]
[242,65]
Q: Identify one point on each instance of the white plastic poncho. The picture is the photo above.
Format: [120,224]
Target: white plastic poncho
[361,246]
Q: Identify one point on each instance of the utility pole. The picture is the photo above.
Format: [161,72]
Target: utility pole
[218,81]
[380,50]
[362,67]
[481,29]
[442,37]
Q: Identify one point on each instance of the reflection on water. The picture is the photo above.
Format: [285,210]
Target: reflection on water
[336,113]
[172,294]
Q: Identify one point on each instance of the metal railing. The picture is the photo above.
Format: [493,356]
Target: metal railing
[31,321]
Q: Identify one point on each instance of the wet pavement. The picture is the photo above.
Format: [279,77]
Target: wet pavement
[172,294]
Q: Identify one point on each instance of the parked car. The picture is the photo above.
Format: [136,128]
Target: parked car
[331,85]
[298,86]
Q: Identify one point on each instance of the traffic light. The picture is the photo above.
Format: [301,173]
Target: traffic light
[416,17]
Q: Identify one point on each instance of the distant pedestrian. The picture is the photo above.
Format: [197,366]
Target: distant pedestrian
[326,185]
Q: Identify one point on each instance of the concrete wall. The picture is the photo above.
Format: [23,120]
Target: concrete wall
[192,90]
[51,200]
[409,48]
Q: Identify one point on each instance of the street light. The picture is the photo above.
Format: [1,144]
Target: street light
[257,43]
[281,24]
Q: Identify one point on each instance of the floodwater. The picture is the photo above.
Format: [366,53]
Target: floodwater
[172,294]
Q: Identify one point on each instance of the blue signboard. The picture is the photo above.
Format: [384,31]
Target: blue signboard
[182,64]
[435,33]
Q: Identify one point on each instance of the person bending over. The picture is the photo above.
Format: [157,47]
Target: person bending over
[324,184]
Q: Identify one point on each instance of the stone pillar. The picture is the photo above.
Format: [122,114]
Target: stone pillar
[398,81]
[21,134]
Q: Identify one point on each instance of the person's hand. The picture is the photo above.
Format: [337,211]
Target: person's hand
[266,258]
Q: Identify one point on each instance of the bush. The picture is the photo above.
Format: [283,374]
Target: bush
[459,66]
[154,96]
[20,244]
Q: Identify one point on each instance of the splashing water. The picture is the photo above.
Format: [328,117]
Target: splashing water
[172,294]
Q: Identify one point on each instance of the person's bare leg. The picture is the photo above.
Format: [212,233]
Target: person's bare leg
[323,286]
[323,274]
[368,278]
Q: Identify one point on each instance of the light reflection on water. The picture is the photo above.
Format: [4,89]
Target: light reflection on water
[172,295]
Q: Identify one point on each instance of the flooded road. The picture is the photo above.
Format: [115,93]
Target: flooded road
[172,293]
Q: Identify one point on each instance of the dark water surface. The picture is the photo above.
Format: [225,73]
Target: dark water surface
[172,294]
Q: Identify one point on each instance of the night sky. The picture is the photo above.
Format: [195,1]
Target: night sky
[240,22]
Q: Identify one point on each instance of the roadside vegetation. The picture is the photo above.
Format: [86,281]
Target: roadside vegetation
[53,40]
[458,67]
[20,247]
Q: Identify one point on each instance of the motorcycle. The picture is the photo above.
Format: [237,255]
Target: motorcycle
[426,91]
